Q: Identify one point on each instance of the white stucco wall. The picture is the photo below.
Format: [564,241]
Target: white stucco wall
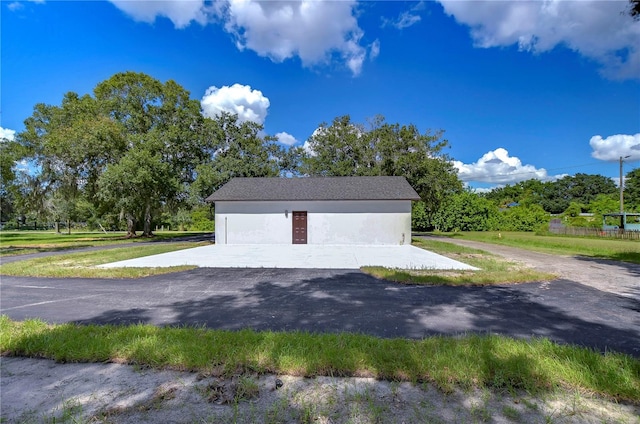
[328,222]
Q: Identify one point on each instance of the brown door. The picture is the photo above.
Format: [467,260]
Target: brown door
[299,227]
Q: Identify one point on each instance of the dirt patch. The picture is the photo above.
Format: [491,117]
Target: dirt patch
[38,390]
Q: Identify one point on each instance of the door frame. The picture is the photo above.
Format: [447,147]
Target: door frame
[293,226]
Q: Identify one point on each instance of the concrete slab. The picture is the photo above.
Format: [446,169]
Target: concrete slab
[298,256]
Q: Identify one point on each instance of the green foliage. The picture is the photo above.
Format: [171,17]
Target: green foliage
[491,361]
[467,211]
[574,210]
[523,218]
[604,203]
[137,149]
[345,148]
[202,219]
[554,196]
[580,188]
[420,219]
[140,181]
[524,193]
[9,152]
[632,190]
[130,149]
[242,152]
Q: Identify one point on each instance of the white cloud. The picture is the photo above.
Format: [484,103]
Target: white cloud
[483,189]
[6,133]
[616,146]
[596,29]
[180,12]
[308,149]
[498,167]
[407,18]
[310,29]
[374,49]
[15,6]
[248,104]
[286,139]
[316,31]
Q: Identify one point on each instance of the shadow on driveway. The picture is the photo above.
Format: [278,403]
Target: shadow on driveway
[350,301]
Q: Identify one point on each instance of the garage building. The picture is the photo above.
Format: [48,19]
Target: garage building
[323,210]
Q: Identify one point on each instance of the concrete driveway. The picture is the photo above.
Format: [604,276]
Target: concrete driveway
[298,256]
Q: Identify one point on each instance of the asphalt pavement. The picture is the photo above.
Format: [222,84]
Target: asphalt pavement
[318,300]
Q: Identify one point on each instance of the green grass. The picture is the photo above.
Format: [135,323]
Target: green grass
[491,361]
[82,264]
[603,248]
[25,242]
[493,269]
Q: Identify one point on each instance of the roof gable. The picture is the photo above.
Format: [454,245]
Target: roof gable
[315,188]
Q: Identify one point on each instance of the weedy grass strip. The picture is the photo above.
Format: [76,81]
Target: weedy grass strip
[490,361]
[82,264]
[492,269]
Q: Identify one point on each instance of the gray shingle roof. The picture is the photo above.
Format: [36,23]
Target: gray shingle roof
[318,188]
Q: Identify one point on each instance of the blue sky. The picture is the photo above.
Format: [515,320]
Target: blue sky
[534,89]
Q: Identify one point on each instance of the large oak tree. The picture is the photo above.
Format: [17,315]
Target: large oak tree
[345,148]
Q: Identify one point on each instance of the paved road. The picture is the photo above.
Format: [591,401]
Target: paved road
[333,301]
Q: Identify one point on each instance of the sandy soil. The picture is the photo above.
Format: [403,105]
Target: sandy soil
[38,390]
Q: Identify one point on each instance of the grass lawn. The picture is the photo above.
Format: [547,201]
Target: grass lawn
[25,242]
[82,264]
[493,269]
[489,361]
[605,248]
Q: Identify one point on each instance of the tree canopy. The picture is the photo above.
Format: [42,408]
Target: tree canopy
[138,151]
[138,146]
[554,196]
[345,148]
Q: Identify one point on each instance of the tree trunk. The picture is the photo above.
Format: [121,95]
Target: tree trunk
[131,225]
[147,232]
[57,227]
[68,226]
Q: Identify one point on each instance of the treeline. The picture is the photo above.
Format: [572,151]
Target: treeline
[138,154]
[579,200]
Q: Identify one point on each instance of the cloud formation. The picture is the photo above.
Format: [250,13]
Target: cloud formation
[248,104]
[15,6]
[312,30]
[286,139]
[315,31]
[6,133]
[498,167]
[407,18]
[181,13]
[616,146]
[599,30]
